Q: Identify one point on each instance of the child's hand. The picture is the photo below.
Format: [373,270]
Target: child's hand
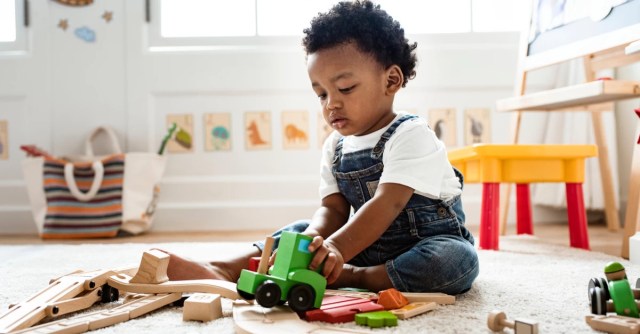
[332,257]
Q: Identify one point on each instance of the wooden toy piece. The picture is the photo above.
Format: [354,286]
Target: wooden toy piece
[153,268]
[223,288]
[105,318]
[350,293]
[36,308]
[289,279]
[438,297]
[413,309]
[497,321]
[620,291]
[376,319]
[336,309]
[75,304]
[254,262]
[202,307]
[266,253]
[614,324]
[391,299]
[276,320]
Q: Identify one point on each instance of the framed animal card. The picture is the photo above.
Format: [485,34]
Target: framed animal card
[443,122]
[295,130]
[477,126]
[324,129]
[4,140]
[257,127]
[182,141]
[217,132]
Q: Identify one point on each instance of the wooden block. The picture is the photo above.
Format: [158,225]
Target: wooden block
[440,298]
[202,307]
[376,319]
[341,309]
[392,299]
[614,324]
[413,309]
[153,268]
[254,262]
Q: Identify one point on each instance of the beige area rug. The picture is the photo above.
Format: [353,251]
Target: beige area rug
[527,278]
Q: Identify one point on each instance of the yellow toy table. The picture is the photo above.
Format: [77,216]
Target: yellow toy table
[492,164]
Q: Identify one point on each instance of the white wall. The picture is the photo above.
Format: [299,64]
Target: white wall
[59,90]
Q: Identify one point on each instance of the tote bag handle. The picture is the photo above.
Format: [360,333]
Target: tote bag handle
[88,145]
[98,170]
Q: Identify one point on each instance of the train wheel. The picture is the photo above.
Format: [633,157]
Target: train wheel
[301,297]
[246,295]
[268,294]
[598,301]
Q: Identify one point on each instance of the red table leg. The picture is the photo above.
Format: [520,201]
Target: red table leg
[577,216]
[490,216]
[523,209]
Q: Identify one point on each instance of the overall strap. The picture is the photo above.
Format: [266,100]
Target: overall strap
[377,151]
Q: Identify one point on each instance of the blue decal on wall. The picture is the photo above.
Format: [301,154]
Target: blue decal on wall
[86,34]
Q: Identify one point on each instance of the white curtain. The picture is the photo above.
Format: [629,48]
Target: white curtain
[571,128]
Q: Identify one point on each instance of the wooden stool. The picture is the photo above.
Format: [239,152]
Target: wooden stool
[491,164]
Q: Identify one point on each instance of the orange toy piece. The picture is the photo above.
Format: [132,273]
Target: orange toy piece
[392,299]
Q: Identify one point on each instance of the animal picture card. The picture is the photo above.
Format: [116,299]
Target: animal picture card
[257,127]
[443,122]
[324,129]
[182,141]
[295,130]
[4,140]
[477,126]
[217,132]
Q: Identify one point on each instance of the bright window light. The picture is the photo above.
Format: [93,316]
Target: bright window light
[425,17]
[7,21]
[206,18]
[288,17]
[500,15]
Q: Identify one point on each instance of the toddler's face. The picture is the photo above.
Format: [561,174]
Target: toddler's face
[351,87]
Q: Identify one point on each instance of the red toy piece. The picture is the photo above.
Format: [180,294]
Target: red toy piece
[336,309]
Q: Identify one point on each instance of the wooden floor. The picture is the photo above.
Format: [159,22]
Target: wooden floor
[600,238]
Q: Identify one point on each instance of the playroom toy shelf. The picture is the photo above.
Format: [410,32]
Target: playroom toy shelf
[590,93]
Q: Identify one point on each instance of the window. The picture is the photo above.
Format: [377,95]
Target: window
[218,22]
[12,29]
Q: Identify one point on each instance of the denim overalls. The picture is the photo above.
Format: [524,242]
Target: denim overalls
[426,248]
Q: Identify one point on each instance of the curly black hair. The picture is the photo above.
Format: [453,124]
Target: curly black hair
[373,30]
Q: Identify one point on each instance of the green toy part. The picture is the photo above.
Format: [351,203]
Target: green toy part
[623,300]
[377,319]
[289,279]
[613,267]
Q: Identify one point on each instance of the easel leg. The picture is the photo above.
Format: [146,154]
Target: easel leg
[632,216]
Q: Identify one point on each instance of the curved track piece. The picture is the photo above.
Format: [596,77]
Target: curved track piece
[223,288]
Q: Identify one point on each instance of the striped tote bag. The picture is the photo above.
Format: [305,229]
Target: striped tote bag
[93,199]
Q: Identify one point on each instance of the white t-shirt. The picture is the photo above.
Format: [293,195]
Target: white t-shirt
[413,157]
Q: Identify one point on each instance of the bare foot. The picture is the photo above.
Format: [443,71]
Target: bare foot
[371,278]
[180,269]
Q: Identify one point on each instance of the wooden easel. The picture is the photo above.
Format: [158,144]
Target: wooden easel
[599,52]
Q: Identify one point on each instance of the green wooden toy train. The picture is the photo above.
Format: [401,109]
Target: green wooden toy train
[288,280]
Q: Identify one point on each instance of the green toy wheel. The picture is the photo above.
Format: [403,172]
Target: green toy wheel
[268,294]
[301,297]
[598,301]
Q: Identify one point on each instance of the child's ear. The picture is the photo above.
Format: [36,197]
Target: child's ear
[394,78]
